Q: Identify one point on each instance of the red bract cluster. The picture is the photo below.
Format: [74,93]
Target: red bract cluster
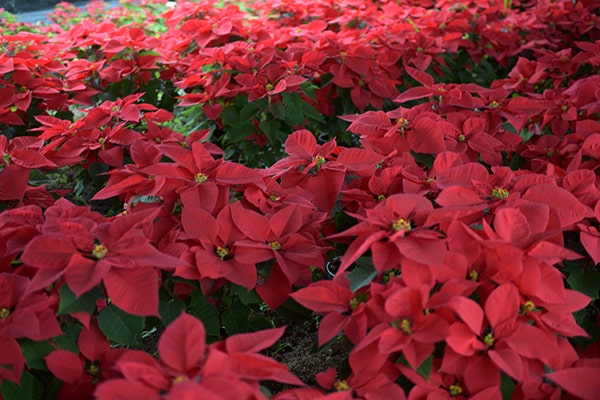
[419,178]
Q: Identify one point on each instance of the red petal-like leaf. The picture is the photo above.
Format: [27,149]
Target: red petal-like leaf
[30,159]
[369,123]
[324,297]
[590,239]
[251,223]
[458,196]
[301,144]
[48,252]
[481,373]
[92,343]
[253,342]
[13,182]
[355,159]
[65,365]
[331,325]
[569,209]
[199,223]
[564,324]
[502,304]
[468,311]
[512,225]
[287,220]
[422,77]
[582,381]
[134,290]
[123,389]
[119,188]
[462,340]
[182,346]
[426,137]
[508,361]
[532,342]
[230,173]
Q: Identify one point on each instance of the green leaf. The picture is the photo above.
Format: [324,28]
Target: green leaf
[86,303]
[207,313]
[170,310]
[250,111]
[235,319]
[516,162]
[147,199]
[526,134]
[68,340]
[34,353]
[311,113]
[425,367]
[293,311]
[272,129]
[259,324]
[230,116]
[197,298]
[507,386]
[294,114]
[238,131]
[585,280]
[12,391]
[277,109]
[265,391]
[309,89]
[121,327]
[423,158]
[245,296]
[362,275]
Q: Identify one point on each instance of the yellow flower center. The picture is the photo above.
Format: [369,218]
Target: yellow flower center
[222,252]
[473,275]
[381,197]
[275,245]
[180,378]
[99,251]
[93,369]
[462,138]
[4,313]
[401,225]
[494,104]
[341,385]
[403,122]
[200,177]
[528,306]
[404,325]
[455,390]
[356,300]
[500,193]
[319,160]
[489,340]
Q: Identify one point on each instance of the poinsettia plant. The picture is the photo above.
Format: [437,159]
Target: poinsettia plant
[191,191]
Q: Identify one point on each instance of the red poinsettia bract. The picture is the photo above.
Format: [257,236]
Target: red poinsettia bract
[188,368]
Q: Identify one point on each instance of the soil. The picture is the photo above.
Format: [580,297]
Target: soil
[299,351]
